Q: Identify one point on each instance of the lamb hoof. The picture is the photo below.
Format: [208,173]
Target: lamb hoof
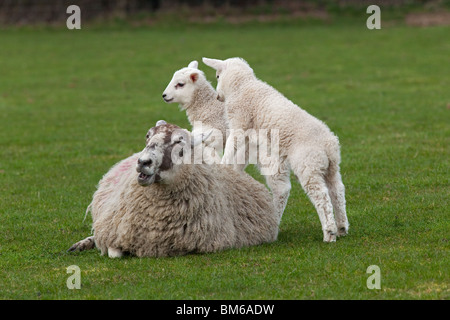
[342,231]
[114,253]
[329,237]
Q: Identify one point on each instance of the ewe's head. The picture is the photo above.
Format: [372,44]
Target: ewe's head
[167,147]
[230,74]
[183,84]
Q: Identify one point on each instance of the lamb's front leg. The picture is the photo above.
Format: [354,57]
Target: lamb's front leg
[236,154]
[85,244]
[280,185]
[228,153]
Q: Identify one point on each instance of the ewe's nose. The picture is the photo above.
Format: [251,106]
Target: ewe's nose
[164,95]
[144,162]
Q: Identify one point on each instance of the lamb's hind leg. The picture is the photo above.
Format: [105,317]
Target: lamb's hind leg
[317,192]
[85,244]
[337,194]
[310,171]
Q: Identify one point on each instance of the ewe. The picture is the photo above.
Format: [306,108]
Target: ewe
[196,95]
[171,207]
[306,144]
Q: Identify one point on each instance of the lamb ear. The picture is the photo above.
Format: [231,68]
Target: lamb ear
[198,138]
[160,122]
[194,76]
[193,64]
[214,63]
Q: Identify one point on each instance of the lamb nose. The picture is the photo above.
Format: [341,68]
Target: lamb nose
[164,95]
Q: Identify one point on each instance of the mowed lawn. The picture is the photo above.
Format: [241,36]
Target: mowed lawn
[73,103]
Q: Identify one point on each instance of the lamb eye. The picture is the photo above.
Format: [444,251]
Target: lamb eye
[217,76]
[180,85]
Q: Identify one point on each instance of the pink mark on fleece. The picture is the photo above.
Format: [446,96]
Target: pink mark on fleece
[122,169]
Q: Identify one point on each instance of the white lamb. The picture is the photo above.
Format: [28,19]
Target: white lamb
[170,207]
[306,144]
[190,89]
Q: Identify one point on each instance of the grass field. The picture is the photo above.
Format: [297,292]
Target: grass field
[73,103]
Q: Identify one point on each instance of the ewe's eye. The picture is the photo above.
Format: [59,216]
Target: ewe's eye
[179,85]
[179,140]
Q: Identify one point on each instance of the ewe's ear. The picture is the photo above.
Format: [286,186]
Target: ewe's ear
[181,136]
[214,63]
[193,64]
[160,122]
[198,137]
[194,76]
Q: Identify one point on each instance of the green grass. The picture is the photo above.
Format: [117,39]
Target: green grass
[73,103]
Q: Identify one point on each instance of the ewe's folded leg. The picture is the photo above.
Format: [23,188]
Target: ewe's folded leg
[114,253]
[85,244]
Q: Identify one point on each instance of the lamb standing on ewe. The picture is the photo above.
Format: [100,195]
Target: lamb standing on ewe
[170,207]
[306,144]
[196,95]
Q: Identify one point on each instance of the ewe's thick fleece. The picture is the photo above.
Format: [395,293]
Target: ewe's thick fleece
[211,208]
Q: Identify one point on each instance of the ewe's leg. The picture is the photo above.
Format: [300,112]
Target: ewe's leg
[337,195]
[114,253]
[85,244]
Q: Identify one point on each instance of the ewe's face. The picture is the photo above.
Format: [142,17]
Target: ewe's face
[182,86]
[164,149]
